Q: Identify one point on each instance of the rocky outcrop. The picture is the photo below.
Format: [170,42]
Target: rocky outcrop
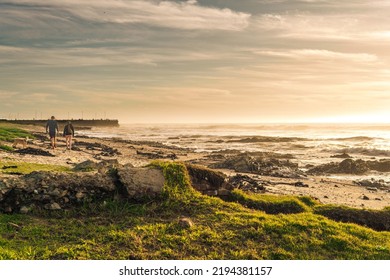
[350,166]
[246,183]
[56,191]
[207,181]
[267,166]
[53,191]
[347,166]
[381,165]
[35,152]
[374,185]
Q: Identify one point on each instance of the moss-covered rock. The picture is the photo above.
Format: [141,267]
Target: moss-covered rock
[375,219]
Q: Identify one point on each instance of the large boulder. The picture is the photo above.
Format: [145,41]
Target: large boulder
[207,181]
[141,182]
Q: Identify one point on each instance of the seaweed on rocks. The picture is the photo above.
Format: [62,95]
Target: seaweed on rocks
[103,149]
[157,155]
[34,151]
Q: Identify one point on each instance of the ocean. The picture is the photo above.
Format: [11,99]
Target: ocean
[309,144]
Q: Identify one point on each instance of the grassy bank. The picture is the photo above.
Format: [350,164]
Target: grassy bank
[8,133]
[220,229]
[13,167]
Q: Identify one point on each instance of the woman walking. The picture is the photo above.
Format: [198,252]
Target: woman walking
[69,134]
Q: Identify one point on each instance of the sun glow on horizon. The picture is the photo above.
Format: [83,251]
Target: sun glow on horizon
[379,118]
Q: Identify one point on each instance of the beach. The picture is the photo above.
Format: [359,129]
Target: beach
[275,173]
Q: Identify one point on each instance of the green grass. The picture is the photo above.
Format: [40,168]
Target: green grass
[12,167]
[272,204]
[221,230]
[6,148]
[8,133]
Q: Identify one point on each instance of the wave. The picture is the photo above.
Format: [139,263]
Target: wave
[256,139]
[355,138]
[364,151]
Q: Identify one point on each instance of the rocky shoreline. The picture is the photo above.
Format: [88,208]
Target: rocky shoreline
[260,172]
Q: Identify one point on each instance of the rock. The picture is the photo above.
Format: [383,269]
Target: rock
[24,210]
[53,206]
[71,160]
[381,165]
[107,165]
[211,192]
[262,164]
[347,166]
[223,192]
[206,180]
[51,190]
[364,197]
[246,183]
[35,151]
[185,222]
[141,182]
[157,155]
[301,184]
[55,193]
[80,195]
[373,184]
[353,167]
[87,165]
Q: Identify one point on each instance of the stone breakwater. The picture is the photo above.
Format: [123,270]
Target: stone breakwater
[77,123]
[56,191]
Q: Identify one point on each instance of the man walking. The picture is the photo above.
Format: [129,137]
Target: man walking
[52,129]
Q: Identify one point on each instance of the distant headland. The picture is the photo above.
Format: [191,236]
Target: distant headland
[76,122]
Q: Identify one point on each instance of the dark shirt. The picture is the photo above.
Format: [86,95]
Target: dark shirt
[52,126]
[68,129]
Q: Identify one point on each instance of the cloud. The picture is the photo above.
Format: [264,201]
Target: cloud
[318,54]
[310,26]
[187,15]
[102,56]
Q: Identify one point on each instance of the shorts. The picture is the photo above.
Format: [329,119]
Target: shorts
[52,134]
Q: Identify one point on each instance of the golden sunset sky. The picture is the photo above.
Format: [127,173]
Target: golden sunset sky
[220,61]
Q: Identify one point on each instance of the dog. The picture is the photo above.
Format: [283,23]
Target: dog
[21,141]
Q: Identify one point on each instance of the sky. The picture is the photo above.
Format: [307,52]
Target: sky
[205,61]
